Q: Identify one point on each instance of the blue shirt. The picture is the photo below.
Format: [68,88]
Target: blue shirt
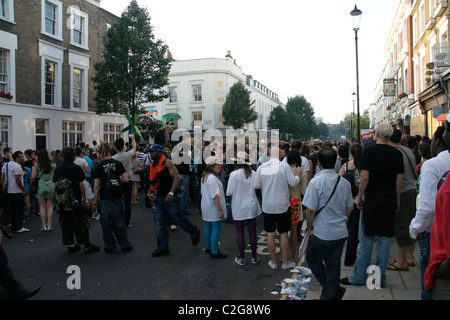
[331,222]
[89,161]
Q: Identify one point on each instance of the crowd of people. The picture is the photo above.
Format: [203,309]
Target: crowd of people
[346,194]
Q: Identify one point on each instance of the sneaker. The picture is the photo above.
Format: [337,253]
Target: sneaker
[23,230]
[27,294]
[196,238]
[96,216]
[239,261]
[173,227]
[256,260]
[340,293]
[272,265]
[218,255]
[160,252]
[127,249]
[73,249]
[91,248]
[288,265]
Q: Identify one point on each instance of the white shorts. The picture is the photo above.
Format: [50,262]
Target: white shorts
[89,193]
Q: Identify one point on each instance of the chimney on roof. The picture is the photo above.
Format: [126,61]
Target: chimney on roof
[169,54]
[228,54]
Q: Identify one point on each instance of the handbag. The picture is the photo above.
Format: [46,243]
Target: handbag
[137,169]
[305,233]
[34,186]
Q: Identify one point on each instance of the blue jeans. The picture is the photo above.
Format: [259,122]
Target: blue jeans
[184,186]
[324,259]
[363,259]
[161,211]
[424,257]
[112,220]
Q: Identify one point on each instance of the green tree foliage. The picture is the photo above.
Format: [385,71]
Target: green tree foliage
[278,119]
[134,67]
[344,127]
[323,130]
[237,110]
[297,121]
[302,120]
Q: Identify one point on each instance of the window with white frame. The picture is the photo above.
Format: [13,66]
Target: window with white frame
[422,19]
[71,133]
[197,116]
[173,94]
[7,10]
[50,83]
[3,70]
[52,57]
[77,88]
[79,71]
[4,131]
[112,132]
[52,16]
[424,72]
[197,93]
[415,30]
[79,27]
[431,8]
[8,47]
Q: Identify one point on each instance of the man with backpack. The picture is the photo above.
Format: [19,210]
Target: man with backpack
[109,178]
[69,189]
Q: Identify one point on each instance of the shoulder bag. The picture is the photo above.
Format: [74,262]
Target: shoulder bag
[304,231]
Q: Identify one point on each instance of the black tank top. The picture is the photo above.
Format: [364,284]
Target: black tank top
[165,183]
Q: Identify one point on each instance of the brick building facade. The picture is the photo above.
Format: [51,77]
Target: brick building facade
[48,49]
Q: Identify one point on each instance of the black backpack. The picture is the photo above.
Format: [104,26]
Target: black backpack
[350,177]
[112,185]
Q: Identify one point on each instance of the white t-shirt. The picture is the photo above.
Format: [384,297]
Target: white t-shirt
[14,169]
[211,188]
[82,163]
[244,204]
[273,178]
[304,164]
[125,158]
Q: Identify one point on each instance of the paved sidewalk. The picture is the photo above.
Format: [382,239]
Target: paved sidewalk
[400,285]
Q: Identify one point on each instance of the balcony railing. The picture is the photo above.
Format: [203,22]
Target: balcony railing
[441,57]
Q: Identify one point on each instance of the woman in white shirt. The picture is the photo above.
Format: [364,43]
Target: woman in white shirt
[213,206]
[245,205]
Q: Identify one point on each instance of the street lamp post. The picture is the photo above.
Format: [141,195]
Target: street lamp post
[356,14]
[351,121]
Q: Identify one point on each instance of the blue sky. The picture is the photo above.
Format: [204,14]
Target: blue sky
[293,47]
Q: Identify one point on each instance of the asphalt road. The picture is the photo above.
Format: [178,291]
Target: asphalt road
[40,258]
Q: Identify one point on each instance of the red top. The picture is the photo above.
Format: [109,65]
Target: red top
[440,234]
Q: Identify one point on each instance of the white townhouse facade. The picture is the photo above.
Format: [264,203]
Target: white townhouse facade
[47,52]
[417,61]
[198,89]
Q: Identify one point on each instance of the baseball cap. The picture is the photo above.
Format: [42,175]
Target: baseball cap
[156,147]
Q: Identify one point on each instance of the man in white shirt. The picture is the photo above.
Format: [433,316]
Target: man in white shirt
[12,177]
[431,173]
[273,178]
